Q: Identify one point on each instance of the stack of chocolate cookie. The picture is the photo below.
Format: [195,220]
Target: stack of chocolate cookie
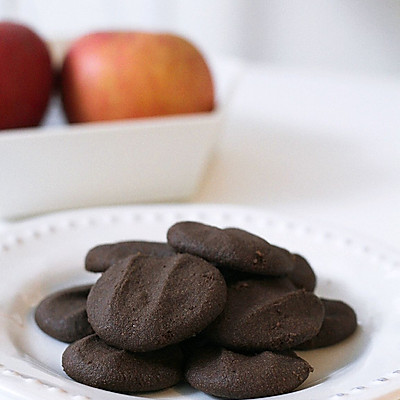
[222,309]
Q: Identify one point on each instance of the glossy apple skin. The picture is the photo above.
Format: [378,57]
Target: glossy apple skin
[26,76]
[122,75]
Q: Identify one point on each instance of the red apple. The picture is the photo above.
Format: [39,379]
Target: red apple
[120,75]
[25,76]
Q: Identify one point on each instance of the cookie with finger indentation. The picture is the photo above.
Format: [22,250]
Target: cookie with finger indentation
[230,248]
[269,314]
[144,303]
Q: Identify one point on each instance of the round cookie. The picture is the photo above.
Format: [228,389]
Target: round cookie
[223,373]
[266,315]
[144,303]
[94,363]
[231,248]
[101,257]
[340,322]
[62,315]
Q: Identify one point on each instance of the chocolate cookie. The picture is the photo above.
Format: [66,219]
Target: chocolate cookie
[103,256]
[302,275]
[223,373]
[94,363]
[231,248]
[62,314]
[144,303]
[266,315]
[340,322]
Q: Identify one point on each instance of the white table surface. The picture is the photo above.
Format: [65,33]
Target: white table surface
[317,146]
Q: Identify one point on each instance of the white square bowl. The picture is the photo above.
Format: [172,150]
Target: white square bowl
[62,166]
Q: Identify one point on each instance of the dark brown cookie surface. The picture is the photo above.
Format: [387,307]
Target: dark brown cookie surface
[101,257]
[302,275]
[62,315]
[231,248]
[94,363]
[223,373]
[268,314]
[144,303]
[340,322]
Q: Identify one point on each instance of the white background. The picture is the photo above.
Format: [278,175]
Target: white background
[347,35]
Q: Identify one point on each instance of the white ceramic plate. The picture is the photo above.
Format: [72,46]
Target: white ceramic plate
[44,254]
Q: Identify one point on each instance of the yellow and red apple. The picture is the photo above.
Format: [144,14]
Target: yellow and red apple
[122,75]
[25,76]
